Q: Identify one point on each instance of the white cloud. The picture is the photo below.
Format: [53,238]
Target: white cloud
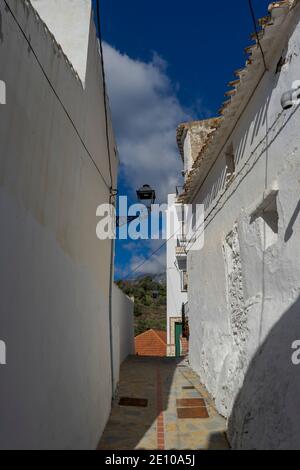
[145,113]
[155,265]
[141,254]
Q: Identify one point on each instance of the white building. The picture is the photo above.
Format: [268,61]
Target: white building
[176,288]
[244,285]
[65,327]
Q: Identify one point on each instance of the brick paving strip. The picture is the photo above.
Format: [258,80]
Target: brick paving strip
[180,414]
[190,402]
[160,415]
[191,408]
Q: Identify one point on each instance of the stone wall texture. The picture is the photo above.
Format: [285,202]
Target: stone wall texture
[244,286]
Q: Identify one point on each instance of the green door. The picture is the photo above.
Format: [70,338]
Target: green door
[178,334]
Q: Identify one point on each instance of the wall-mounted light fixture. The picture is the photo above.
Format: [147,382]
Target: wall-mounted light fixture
[147,196]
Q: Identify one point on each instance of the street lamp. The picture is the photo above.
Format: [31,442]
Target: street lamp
[147,196]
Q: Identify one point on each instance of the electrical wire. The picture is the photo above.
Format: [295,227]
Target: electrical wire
[189,246]
[125,218]
[244,108]
[104,94]
[146,260]
[222,194]
[113,193]
[56,95]
[229,137]
[256,32]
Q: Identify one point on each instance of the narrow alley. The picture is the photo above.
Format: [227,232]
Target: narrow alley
[172,409]
[150,229]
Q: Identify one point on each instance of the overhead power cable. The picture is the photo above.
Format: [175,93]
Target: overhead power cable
[104,94]
[215,206]
[146,260]
[124,219]
[257,33]
[57,96]
[204,225]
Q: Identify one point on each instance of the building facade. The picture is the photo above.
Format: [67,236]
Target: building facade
[244,285]
[57,305]
[177,286]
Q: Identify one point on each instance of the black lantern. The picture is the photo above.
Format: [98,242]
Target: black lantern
[146,195]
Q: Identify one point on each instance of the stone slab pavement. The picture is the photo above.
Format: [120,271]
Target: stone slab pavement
[162,381]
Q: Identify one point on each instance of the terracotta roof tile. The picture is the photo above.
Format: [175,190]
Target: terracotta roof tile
[151,343]
[162,334]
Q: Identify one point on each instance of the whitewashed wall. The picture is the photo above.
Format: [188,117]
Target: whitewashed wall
[123,330]
[175,296]
[242,327]
[54,273]
[61,17]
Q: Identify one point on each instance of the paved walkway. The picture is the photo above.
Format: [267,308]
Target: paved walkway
[163,423]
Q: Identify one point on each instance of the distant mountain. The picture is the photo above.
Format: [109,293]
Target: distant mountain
[160,277]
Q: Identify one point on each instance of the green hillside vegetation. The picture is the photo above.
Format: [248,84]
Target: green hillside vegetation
[149,303]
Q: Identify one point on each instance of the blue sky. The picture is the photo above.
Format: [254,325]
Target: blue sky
[166,62]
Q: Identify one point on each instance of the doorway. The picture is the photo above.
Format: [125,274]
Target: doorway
[178,334]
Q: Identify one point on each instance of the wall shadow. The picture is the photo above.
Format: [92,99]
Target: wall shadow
[289,231]
[266,411]
[218,441]
[140,377]
[158,424]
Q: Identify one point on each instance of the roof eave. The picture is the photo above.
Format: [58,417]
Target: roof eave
[248,80]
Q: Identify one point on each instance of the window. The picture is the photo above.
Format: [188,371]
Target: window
[184,281]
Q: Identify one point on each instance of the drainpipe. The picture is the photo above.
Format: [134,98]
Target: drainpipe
[111,275]
[111,199]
